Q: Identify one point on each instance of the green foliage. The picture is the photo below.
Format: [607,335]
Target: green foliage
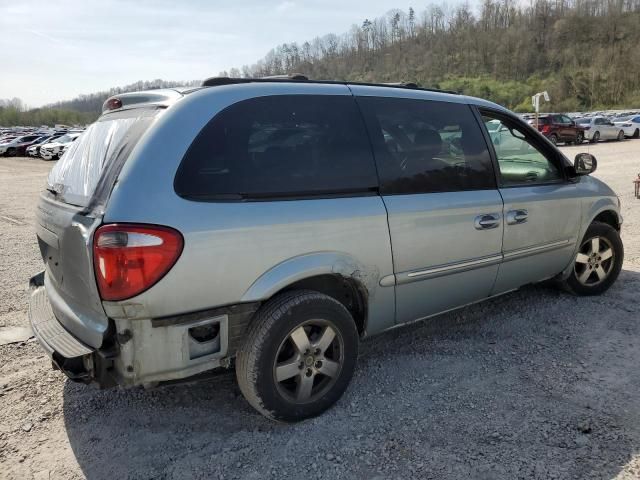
[11,116]
[583,52]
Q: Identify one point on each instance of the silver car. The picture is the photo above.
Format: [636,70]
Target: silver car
[600,128]
[272,224]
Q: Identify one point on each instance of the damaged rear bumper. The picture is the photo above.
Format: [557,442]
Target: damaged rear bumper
[78,361]
[67,353]
[140,351]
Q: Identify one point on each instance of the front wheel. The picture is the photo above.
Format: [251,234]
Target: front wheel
[620,135]
[579,138]
[598,262]
[11,152]
[298,357]
[595,138]
[636,133]
[553,138]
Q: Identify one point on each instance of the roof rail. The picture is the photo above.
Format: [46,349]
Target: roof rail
[298,77]
[215,81]
[402,84]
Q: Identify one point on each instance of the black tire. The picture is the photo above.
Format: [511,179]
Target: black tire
[579,138]
[596,137]
[11,152]
[553,138]
[270,334]
[605,234]
[620,135]
[636,134]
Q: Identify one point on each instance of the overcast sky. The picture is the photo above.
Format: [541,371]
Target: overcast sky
[55,50]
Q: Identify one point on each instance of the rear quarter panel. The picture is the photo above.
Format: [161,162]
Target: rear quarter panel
[230,247]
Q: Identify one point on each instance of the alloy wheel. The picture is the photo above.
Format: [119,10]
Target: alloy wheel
[309,361]
[594,261]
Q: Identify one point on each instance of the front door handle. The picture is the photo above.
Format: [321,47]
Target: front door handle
[487,221]
[514,217]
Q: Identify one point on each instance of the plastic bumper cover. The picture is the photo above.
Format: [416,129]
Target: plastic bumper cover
[67,352]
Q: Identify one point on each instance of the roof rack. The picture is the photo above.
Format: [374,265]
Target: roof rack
[215,81]
[298,77]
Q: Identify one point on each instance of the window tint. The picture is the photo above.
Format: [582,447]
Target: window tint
[424,146]
[285,145]
[566,120]
[519,160]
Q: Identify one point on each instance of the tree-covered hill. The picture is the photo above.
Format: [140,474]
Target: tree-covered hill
[585,53]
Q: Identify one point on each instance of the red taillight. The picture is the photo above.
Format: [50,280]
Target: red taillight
[545,129]
[112,104]
[128,259]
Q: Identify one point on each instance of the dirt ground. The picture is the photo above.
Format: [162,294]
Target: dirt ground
[534,384]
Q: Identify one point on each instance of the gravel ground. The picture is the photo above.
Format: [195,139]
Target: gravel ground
[534,384]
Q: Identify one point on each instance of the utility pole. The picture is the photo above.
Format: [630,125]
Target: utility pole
[535,100]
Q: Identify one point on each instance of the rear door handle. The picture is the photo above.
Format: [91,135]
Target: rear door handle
[487,221]
[514,217]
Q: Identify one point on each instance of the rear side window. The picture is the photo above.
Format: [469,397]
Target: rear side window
[280,146]
[424,146]
[95,152]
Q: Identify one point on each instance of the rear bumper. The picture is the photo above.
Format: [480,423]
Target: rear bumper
[141,351]
[67,353]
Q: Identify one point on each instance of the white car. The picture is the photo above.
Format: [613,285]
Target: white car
[55,149]
[630,125]
[600,128]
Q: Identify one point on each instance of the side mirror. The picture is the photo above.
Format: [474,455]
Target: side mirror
[585,164]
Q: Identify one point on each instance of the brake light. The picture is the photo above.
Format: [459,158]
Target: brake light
[545,129]
[129,259]
[113,104]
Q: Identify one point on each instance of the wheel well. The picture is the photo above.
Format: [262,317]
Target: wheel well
[347,291]
[609,217]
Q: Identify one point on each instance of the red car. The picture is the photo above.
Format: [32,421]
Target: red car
[18,146]
[558,127]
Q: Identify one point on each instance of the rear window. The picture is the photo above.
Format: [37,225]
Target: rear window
[583,121]
[279,146]
[102,146]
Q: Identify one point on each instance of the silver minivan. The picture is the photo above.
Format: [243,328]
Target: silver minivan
[270,224]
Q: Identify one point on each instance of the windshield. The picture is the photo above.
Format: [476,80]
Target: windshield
[80,168]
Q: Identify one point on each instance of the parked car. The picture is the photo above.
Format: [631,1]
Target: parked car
[559,128]
[630,125]
[17,146]
[54,150]
[600,128]
[273,224]
[34,149]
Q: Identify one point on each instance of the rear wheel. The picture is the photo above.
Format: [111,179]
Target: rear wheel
[596,137]
[553,138]
[636,134]
[579,138]
[298,357]
[11,152]
[620,135]
[598,262]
